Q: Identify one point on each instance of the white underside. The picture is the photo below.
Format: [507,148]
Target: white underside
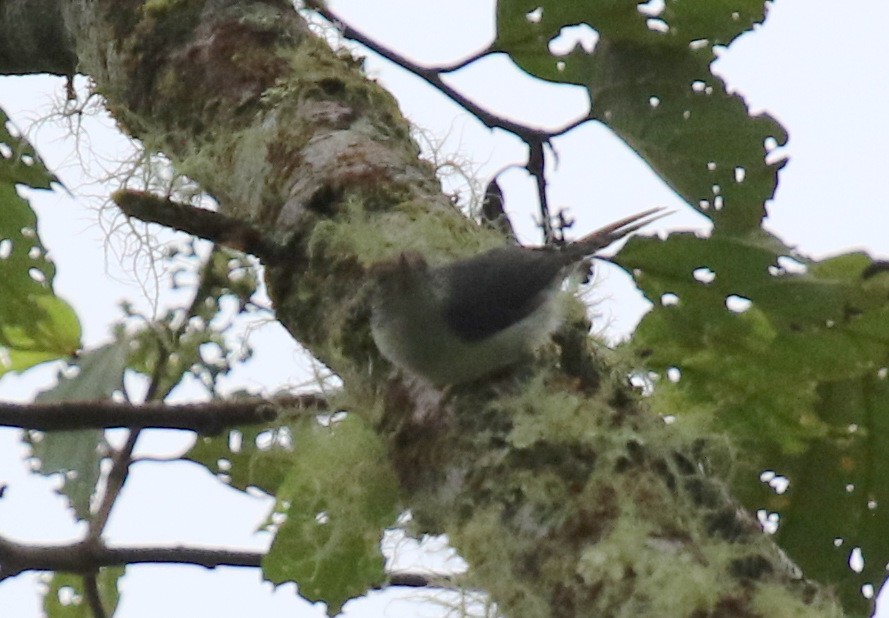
[421,343]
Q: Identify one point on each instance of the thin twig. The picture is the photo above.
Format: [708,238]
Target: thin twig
[93,598]
[432,76]
[416,580]
[120,464]
[536,166]
[120,468]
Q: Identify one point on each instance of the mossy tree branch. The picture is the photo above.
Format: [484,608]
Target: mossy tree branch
[567,497]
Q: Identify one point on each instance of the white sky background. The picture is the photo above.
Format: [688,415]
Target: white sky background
[818,68]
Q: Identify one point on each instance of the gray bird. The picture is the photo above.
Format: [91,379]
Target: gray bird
[463,320]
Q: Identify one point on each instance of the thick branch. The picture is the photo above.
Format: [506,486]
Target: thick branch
[204,418]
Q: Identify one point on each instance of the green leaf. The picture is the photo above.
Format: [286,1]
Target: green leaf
[66,597]
[717,22]
[760,366]
[35,325]
[836,503]
[19,162]
[797,377]
[76,454]
[823,323]
[337,498]
[248,456]
[655,90]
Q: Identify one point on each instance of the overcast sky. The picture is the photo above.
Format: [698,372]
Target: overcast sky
[818,67]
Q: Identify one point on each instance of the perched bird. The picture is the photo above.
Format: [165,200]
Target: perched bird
[458,322]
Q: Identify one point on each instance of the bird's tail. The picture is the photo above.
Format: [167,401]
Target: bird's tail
[609,234]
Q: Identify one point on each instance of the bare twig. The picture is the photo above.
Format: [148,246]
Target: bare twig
[120,460]
[208,418]
[88,557]
[93,598]
[416,580]
[536,166]
[120,469]
[432,76]
[207,224]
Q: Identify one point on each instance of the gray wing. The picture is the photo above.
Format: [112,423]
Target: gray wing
[496,289]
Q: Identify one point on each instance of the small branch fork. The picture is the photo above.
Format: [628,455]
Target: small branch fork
[537,140]
[88,555]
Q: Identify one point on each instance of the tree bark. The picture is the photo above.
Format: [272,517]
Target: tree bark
[566,495]
[33,39]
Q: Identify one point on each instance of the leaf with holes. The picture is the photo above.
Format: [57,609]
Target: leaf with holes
[649,80]
[335,502]
[831,500]
[66,597]
[76,454]
[796,374]
[248,456]
[760,363]
[35,325]
[19,162]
